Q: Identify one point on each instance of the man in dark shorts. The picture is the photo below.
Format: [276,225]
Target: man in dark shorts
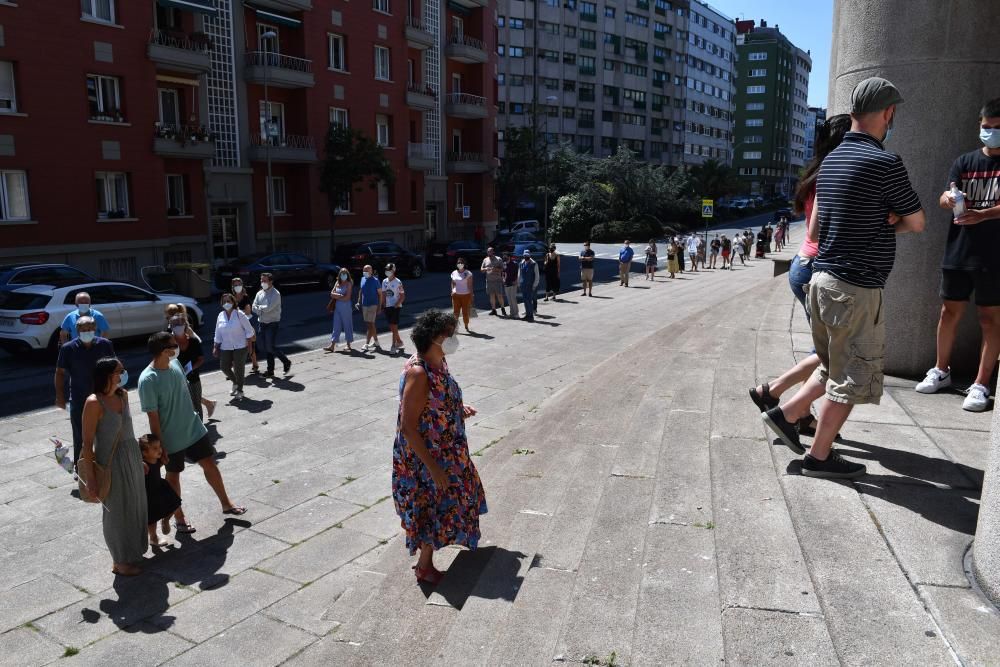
[972,260]
[587,269]
[164,397]
[864,199]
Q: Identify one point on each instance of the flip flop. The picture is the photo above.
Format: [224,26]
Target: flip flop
[184,528]
[235,511]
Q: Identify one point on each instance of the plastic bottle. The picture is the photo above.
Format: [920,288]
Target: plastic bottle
[959,207]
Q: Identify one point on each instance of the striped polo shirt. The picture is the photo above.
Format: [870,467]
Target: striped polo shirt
[859,184]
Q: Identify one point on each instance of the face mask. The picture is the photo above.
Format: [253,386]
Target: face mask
[368,274]
[172,353]
[344,276]
[84,308]
[178,330]
[87,336]
[237,288]
[123,380]
[450,345]
[390,274]
[228,306]
[265,286]
[990,137]
[461,267]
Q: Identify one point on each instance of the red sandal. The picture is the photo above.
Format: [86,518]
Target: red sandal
[431,576]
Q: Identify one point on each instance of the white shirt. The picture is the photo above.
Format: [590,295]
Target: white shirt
[232,333]
[393,291]
[692,244]
[461,281]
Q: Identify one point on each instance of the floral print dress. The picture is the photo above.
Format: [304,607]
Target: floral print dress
[426,516]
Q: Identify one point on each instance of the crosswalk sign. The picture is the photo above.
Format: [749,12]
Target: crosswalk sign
[707,208]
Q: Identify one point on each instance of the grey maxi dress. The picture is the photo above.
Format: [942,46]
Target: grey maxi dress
[125,517]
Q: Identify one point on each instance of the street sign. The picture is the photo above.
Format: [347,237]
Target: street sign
[466,212]
[707,208]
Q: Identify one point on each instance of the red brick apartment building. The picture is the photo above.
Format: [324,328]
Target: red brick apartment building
[136,132]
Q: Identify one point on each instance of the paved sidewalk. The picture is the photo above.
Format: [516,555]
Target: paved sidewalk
[638,513]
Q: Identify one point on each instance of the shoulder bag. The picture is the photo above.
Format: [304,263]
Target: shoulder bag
[99,477]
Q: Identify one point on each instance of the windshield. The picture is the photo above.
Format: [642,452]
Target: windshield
[10,300]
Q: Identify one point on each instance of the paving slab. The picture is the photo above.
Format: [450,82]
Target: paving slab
[256,642]
[941,410]
[26,647]
[968,449]
[534,622]
[33,599]
[367,490]
[379,521]
[970,624]
[306,519]
[683,489]
[144,645]
[318,555]
[329,601]
[762,637]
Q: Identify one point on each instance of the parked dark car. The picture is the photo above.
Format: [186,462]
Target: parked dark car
[354,256]
[289,269]
[442,256]
[57,275]
[785,213]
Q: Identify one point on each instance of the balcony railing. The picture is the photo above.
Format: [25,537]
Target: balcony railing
[415,22]
[293,141]
[466,157]
[422,151]
[466,40]
[198,41]
[466,98]
[182,133]
[421,89]
[279,60]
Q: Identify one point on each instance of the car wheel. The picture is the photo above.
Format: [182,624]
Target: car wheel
[418,270]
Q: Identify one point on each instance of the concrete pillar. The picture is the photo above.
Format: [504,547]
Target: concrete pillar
[944,57]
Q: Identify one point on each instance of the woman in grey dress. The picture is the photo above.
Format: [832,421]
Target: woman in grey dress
[106,419]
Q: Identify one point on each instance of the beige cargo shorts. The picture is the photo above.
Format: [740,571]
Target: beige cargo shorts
[848,332]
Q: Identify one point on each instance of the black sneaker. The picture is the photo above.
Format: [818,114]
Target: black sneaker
[805,426]
[834,467]
[269,373]
[765,402]
[784,429]
[288,366]
[493,313]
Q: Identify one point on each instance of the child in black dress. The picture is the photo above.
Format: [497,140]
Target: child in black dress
[161,499]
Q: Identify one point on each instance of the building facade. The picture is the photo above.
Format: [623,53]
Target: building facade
[815,118]
[771,109]
[652,75]
[148,136]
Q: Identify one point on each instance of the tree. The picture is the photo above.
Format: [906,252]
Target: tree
[518,169]
[713,179]
[350,158]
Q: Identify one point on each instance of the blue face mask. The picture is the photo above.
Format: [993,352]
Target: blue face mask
[87,336]
[990,137]
[123,380]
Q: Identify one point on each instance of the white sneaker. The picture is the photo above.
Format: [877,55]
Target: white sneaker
[366,348]
[935,380]
[232,392]
[977,400]
[238,395]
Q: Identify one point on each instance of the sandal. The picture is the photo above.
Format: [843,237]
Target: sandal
[184,528]
[431,576]
[235,511]
[764,401]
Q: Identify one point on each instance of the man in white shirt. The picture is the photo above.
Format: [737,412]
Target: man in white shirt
[692,250]
[267,307]
[493,268]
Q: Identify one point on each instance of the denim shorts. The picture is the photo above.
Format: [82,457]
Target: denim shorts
[799,275]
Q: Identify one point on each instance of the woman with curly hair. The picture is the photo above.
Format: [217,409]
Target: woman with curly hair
[435,487]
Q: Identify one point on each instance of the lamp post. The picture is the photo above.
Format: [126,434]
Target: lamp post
[545,204]
[266,41]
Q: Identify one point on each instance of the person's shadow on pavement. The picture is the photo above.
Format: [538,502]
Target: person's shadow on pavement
[488,572]
[285,384]
[141,598]
[252,405]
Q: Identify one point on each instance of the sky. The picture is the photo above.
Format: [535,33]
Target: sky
[809,25]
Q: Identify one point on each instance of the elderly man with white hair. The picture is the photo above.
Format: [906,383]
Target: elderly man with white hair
[67,330]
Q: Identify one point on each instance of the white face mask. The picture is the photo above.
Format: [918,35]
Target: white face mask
[123,380]
[172,353]
[368,274]
[344,276]
[265,286]
[237,288]
[83,308]
[178,330]
[228,306]
[450,345]
[461,267]
[87,336]
[390,274]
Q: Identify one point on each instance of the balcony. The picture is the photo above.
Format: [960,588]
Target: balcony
[422,157]
[467,163]
[288,148]
[183,141]
[282,71]
[417,36]
[471,4]
[463,105]
[177,51]
[285,5]
[466,49]
[421,97]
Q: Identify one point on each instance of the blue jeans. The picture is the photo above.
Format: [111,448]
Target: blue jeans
[529,298]
[799,275]
[267,343]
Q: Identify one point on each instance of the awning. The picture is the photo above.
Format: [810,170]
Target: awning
[279,19]
[202,6]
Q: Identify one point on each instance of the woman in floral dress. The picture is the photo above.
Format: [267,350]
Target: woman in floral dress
[435,486]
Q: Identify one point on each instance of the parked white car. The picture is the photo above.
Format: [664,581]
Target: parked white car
[30,316]
[525,226]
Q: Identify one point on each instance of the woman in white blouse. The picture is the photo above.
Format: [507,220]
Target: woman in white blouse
[233,334]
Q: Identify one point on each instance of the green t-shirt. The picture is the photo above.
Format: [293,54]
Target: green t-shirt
[166,392]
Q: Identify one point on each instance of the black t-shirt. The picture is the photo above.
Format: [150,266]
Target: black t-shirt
[716,244]
[975,247]
[587,259]
[190,355]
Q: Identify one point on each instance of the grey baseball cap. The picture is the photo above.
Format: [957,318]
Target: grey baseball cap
[874,94]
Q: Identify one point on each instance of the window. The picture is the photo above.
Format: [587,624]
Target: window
[459,196]
[755,122]
[276,195]
[272,122]
[176,195]
[515,24]
[8,100]
[345,204]
[383,134]
[382,63]
[456,83]
[588,8]
[609,12]
[169,107]
[753,139]
[758,72]
[755,90]
[112,195]
[755,106]
[751,155]
[14,195]
[384,197]
[104,98]
[268,44]
[338,60]
[757,55]
[99,10]
[568,86]
[381,6]
[636,19]
[458,26]
[569,58]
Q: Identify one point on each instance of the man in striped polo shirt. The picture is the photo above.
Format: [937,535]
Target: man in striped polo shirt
[863,199]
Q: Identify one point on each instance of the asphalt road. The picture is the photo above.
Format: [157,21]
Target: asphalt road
[28,379]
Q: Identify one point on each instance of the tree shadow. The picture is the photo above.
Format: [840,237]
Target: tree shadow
[490,573]
[252,405]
